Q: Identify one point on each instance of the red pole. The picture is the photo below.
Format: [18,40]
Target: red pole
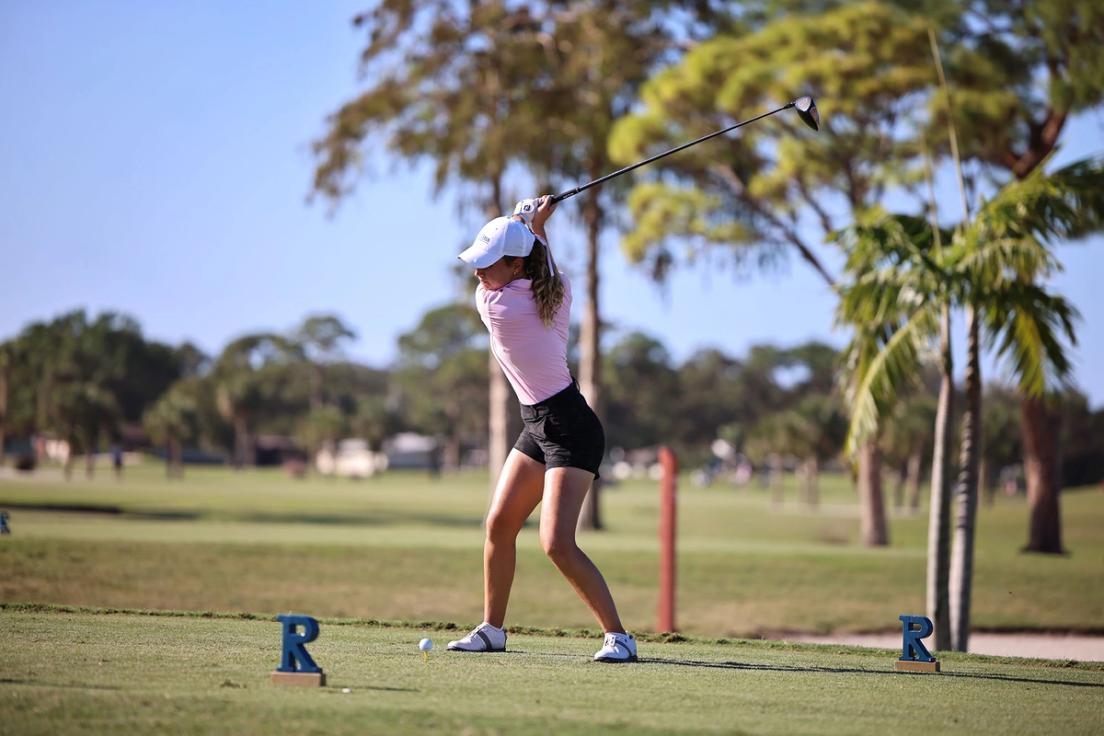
[667,487]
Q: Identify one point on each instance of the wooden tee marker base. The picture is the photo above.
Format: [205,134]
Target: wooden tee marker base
[908,665]
[301,679]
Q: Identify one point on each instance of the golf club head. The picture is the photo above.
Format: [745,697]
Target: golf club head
[806,108]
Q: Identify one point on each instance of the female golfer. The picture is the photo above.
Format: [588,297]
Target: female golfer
[525,303]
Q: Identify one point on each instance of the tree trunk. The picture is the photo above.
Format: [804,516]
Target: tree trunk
[1042,457]
[590,359]
[241,440]
[965,523]
[913,479]
[939,512]
[89,457]
[169,458]
[330,445]
[985,488]
[312,454]
[777,478]
[875,531]
[498,440]
[1041,426]
[812,482]
[176,448]
[776,473]
[452,453]
[899,486]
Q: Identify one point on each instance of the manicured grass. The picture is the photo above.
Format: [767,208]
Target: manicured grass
[407,547]
[81,672]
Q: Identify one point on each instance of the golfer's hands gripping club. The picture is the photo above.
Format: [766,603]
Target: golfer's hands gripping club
[535,212]
[546,205]
[526,209]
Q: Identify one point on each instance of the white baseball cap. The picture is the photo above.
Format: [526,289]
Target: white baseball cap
[502,236]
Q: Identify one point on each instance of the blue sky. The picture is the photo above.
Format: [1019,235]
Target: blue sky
[156,161]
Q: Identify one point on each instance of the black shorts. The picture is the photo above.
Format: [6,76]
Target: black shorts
[563,432]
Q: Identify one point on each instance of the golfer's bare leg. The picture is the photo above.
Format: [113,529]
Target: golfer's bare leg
[519,490]
[564,492]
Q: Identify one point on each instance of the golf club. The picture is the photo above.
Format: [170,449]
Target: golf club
[806,110]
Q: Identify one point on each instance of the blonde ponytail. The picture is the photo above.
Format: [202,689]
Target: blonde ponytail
[548,287]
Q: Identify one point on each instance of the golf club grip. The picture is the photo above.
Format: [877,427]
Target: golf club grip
[572,192]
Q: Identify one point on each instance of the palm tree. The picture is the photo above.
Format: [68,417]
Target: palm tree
[80,409]
[438,361]
[761,188]
[457,96]
[315,345]
[904,284]
[1038,210]
[1022,73]
[372,420]
[860,360]
[907,436]
[76,363]
[316,342]
[824,426]
[174,420]
[239,386]
[773,438]
[322,428]
[477,87]
[1002,436]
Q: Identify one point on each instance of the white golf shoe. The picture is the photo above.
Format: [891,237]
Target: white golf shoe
[483,638]
[617,648]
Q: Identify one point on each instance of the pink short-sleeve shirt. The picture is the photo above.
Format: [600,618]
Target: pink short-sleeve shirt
[533,356]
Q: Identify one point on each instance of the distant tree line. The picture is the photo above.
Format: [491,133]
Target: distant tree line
[98,381]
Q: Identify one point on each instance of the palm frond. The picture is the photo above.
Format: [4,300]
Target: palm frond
[994,259]
[889,240]
[878,297]
[881,370]
[1029,328]
[1067,203]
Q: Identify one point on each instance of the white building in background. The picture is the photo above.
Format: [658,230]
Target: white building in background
[53,449]
[351,459]
[409,450]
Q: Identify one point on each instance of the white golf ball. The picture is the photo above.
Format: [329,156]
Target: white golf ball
[346,690]
[425,645]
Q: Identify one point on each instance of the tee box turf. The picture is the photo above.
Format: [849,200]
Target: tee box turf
[297,667]
[915,657]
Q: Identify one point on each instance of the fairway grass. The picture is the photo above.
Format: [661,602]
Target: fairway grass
[407,547]
[68,672]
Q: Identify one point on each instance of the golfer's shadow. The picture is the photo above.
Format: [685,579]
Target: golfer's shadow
[751,667]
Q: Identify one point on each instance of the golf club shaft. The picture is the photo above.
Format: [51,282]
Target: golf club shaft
[676,149]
